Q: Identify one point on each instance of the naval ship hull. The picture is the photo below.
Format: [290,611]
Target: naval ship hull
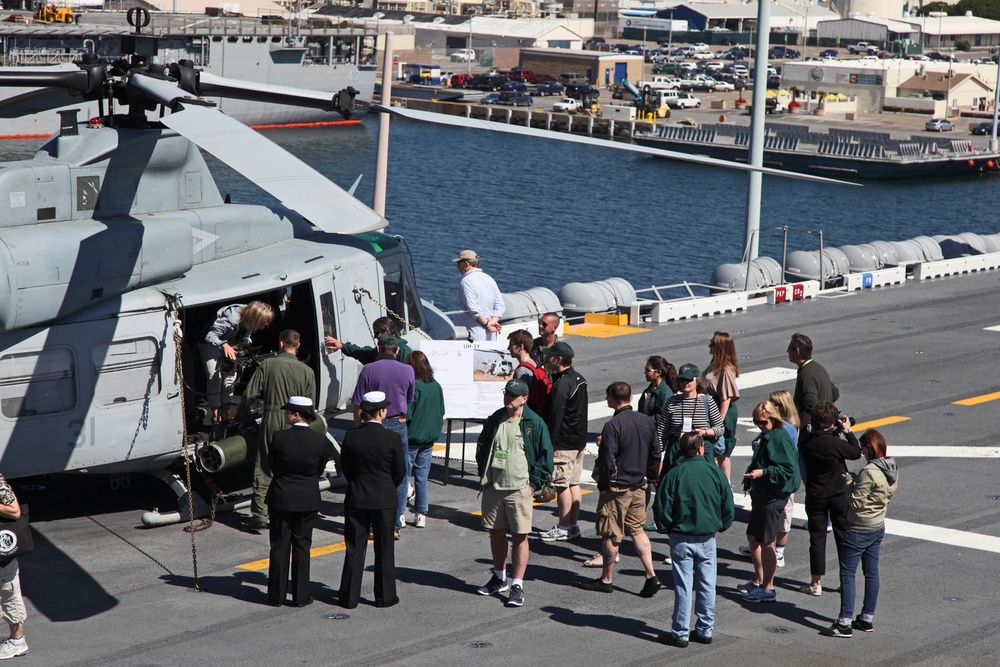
[324,60]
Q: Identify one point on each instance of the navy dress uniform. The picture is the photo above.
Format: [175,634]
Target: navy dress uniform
[297,458]
[374,464]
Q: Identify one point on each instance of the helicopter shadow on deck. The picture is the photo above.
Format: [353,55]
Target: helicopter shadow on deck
[47,575]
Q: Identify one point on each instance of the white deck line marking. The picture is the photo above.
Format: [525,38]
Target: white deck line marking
[918,452]
[996,328]
[916,531]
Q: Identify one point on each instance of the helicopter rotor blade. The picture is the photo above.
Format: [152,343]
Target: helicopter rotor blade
[212,85]
[460,121]
[47,87]
[297,185]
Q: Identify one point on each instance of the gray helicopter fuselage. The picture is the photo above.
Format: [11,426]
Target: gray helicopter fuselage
[92,376]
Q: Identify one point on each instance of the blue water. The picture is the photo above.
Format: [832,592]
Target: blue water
[545,213]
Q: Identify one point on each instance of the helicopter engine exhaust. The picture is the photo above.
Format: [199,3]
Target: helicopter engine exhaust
[227,453]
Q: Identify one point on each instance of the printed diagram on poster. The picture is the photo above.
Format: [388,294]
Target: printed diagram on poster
[472,375]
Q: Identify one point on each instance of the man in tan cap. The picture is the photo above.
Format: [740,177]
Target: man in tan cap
[479,298]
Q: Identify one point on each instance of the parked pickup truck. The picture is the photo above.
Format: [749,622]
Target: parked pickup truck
[863,47]
[566,105]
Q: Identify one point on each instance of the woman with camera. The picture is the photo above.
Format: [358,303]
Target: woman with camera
[873,489]
[772,475]
[825,454]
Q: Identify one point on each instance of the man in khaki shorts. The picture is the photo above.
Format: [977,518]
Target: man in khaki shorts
[628,450]
[566,417]
[514,457]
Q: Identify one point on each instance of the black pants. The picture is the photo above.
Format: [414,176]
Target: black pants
[291,532]
[817,512]
[383,523]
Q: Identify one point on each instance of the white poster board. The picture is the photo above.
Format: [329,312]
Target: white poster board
[472,375]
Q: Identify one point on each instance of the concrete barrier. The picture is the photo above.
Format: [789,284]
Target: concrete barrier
[793,292]
[951,267]
[684,309]
[880,278]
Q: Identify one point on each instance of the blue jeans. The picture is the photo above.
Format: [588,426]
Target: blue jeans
[420,463]
[863,547]
[403,490]
[694,559]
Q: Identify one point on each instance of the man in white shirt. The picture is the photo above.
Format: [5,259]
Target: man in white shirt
[479,297]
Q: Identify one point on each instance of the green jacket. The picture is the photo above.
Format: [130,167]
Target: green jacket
[777,457]
[694,499]
[425,413]
[274,382]
[366,355]
[537,445]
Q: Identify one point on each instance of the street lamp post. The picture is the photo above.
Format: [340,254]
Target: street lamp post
[939,15]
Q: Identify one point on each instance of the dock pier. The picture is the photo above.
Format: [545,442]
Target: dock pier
[538,118]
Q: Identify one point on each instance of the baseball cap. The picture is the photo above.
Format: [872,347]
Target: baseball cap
[688,372]
[516,388]
[559,349]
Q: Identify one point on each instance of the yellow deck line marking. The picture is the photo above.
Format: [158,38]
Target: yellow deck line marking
[264,563]
[875,423]
[602,331]
[976,400]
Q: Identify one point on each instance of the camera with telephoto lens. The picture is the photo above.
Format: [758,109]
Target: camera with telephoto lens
[839,426]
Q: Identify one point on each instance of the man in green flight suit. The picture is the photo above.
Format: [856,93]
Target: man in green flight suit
[274,382]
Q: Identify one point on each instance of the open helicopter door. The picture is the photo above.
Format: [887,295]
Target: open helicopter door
[346,314]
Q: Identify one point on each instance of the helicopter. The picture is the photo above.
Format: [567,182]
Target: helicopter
[117,250]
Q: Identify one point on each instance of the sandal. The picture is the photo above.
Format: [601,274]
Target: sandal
[598,560]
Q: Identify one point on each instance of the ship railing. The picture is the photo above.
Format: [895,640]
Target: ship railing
[653,304]
[20,57]
[962,146]
[685,133]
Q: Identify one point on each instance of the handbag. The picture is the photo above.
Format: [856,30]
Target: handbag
[719,444]
[15,536]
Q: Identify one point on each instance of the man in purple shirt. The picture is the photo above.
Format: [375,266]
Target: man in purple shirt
[396,381]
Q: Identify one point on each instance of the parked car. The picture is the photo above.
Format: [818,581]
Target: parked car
[544,78]
[566,105]
[579,91]
[515,85]
[682,100]
[829,53]
[460,80]
[573,78]
[491,82]
[665,68]
[783,53]
[939,125]
[520,74]
[490,98]
[513,98]
[937,55]
[771,105]
[549,88]
[983,128]
[463,56]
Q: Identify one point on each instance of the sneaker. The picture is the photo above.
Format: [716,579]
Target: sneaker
[837,630]
[781,560]
[829,527]
[745,549]
[573,532]
[420,521]
[670,639]
[516,596]
[556,534]
[667,561]
[701,639]
[12,648]
[809,589]
[650,588]
[760,594]
[863,625]
[402,520]
[748,586]
[597,586]
[493,586]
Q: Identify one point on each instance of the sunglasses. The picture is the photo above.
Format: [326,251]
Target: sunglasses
[761,422]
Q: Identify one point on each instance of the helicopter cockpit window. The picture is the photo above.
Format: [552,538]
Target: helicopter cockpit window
[126,371]
[412,312]
[37,383]
[329,314]
[395,296]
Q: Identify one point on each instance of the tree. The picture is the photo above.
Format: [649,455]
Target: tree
[987,9]
[935,7]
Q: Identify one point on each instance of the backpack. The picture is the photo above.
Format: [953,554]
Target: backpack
[540,386]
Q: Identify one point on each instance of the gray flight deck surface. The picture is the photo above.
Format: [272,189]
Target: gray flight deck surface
[104,591]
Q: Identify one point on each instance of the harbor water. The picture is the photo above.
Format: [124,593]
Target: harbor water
[545,213]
